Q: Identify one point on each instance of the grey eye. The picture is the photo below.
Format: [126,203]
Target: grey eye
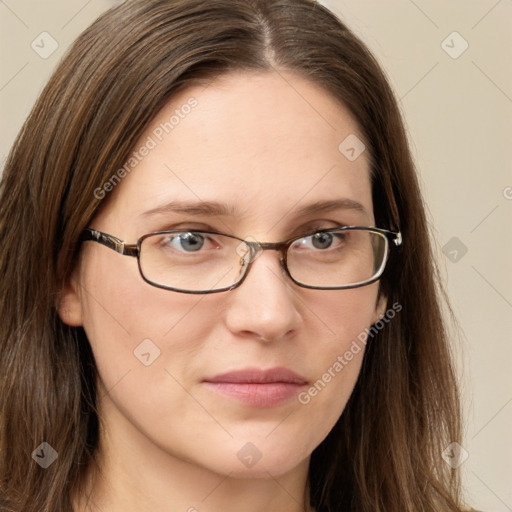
[322,240]
[188,242]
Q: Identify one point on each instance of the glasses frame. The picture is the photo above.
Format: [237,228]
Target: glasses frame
[134,250]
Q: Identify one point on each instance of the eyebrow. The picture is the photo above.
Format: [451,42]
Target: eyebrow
[328,206]
[214,208]
[206,208]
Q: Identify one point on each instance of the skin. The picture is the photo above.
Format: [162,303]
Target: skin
[265,149]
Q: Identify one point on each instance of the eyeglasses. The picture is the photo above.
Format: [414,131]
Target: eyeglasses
[191,261]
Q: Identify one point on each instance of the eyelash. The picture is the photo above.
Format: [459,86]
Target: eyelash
[321,227]
[306,229]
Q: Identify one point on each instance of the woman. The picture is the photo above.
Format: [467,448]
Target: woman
[219,290]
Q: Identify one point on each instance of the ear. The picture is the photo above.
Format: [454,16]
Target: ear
[380,307]
[69,305]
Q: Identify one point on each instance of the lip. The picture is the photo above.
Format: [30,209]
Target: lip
[257,387]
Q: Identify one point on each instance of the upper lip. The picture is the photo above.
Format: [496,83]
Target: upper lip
[258,376]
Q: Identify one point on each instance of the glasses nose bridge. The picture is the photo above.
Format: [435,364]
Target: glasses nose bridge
[255,248]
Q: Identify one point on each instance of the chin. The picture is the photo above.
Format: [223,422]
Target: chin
[260,457]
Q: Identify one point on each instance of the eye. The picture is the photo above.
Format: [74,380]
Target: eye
[187,242]
[320,241]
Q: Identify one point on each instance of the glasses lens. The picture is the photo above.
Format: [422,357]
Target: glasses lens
[197,261]
[192,260]
[338,258]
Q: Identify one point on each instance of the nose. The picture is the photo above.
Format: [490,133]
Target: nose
[264,306]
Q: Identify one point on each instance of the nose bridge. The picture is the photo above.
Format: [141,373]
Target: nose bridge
[256,248]
[263,305]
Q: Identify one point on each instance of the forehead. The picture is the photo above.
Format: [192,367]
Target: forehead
[259,143]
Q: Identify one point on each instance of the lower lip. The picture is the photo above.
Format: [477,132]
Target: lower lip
[267,394]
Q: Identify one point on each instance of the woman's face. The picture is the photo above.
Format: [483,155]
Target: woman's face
[262,152]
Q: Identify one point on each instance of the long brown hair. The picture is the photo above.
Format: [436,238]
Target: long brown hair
[384,454]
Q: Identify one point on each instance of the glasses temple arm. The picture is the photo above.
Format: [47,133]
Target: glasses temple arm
[109,241]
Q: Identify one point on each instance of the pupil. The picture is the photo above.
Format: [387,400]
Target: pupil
[322,240]
[191,241]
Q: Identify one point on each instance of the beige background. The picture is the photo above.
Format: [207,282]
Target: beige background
[459,116]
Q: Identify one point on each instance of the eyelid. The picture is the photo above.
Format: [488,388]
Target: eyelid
[306,229]
[188,226]
[320,227]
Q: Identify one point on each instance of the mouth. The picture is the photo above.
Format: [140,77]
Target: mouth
[256,387]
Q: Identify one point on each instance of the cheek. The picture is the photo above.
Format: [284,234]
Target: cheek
[341,316]
[338,349]
[325,399]
[132,325]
